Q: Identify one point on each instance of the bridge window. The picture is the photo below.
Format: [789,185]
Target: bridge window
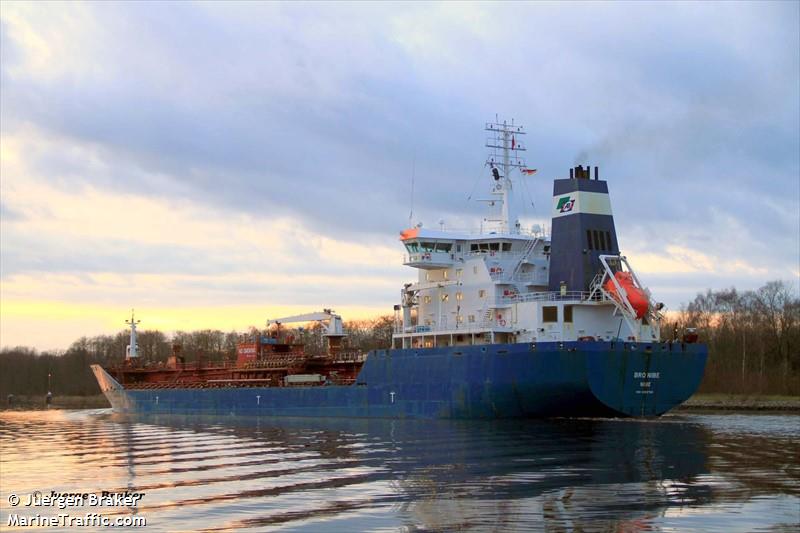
[495,246]
[549,313]
[506,246]
[473,247]
[444,246]
[412,247]
[427,246]
[568,314]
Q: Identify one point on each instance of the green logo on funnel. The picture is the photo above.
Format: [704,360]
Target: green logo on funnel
[565,204]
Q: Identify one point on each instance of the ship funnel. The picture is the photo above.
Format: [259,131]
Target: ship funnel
[582,229]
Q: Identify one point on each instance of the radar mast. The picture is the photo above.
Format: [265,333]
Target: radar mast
[505,144]
[132,351]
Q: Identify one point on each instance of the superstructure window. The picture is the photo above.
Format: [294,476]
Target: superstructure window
[426,299]
[568,314]
[608,240]
[596,240]
[445,297]
[459,296]
[481,293]
[506,246]
[589,239]
[473,247]
[549,313]
[459,272]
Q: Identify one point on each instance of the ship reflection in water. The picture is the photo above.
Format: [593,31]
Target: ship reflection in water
[681,472]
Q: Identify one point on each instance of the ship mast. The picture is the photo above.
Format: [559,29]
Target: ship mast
[132,351]
[504,157]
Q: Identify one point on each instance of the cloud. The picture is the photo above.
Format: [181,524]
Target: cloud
[200,143]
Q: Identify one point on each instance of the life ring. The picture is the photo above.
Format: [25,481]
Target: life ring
[501,322]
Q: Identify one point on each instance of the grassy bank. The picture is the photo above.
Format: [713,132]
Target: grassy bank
[28,402]
[741,402]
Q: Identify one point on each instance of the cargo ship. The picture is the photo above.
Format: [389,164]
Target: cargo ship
[503,321]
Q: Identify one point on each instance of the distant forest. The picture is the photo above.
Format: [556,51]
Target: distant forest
[753,339]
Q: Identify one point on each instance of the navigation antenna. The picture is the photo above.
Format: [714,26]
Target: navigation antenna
[505,156]
[132,351]
[413,172]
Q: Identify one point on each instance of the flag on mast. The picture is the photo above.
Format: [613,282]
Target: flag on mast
[513,142]
[528,171]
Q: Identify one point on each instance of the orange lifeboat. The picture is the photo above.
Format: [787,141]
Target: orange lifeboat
[636,296]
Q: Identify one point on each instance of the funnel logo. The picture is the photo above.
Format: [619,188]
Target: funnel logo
[565,204]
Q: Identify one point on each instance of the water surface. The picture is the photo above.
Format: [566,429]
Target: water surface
[684,472]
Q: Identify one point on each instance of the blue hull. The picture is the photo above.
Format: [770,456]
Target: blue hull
[491,381]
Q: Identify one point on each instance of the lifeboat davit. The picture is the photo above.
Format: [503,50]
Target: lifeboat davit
[636,296]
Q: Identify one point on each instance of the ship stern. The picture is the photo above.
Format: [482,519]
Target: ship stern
[647,379]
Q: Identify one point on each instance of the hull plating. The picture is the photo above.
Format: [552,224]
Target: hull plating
[491,381]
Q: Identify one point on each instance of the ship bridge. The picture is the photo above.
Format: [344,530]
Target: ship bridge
[503,283]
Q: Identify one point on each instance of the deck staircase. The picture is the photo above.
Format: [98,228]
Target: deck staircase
[529,246]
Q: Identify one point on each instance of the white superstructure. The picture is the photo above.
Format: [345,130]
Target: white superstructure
[493,286]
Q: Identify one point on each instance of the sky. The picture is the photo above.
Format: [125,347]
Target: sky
[213,165]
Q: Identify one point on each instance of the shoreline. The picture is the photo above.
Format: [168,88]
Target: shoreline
[739,402]
[36,402]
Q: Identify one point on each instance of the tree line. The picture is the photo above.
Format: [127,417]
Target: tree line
[753,339]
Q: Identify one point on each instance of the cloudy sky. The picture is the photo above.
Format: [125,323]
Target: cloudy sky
[216,164]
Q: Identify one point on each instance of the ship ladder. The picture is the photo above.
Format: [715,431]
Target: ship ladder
[525,253]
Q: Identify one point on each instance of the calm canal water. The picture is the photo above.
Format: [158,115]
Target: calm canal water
[682,472]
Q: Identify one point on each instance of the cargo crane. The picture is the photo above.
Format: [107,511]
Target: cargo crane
[330,321]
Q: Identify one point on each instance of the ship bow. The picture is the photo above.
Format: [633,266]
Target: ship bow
[110,387]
